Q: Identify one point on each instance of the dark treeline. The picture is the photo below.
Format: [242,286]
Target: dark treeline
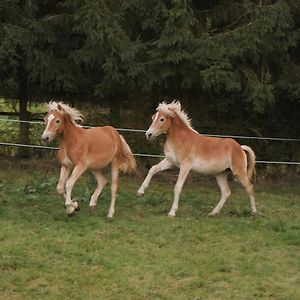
[235,65]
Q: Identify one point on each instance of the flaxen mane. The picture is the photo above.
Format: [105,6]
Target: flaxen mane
[174,108]
[73,113]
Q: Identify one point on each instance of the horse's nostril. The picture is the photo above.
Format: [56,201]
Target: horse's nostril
[45,139]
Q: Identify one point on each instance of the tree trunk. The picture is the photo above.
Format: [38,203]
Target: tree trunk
[23,152]
[262,70]
[115,110]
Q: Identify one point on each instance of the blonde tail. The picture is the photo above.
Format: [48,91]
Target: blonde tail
[126,159]
[250,161]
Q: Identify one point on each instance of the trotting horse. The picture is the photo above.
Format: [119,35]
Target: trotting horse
[81,149]
[187,149]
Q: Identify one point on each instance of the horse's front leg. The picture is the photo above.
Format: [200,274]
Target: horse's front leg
[163,165]
[76,173]
[64,175]
[183,173]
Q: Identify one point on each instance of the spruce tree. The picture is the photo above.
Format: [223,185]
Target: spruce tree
[33,56]
[107,54]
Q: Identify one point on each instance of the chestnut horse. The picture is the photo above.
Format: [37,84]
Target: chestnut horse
[81,149]
[187,149]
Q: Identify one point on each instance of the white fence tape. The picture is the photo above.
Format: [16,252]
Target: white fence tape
[158,155]
[144,154]
[212,135]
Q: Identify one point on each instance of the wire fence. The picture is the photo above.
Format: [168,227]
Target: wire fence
[159,155]
[211,135]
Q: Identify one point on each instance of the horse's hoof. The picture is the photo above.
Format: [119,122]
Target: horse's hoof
[70,210]
[110,215]
[93,208]
[171,215]
[259,214]
[140,194]
[72,214]
[211,215]
[75,204]
[60,192]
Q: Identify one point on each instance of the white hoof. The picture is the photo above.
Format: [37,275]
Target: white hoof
[140,193]
[70,210]
[212,214]
[110,215]
[171,215]
[75,205]
[93,208]
[60,191]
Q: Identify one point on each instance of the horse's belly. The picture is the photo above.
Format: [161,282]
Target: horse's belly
[209,167]
[100,161]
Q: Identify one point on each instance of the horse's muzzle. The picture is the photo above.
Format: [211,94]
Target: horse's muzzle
[149,135]
[45,139]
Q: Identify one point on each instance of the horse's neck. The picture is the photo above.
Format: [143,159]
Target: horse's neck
[70,133]
[178,130]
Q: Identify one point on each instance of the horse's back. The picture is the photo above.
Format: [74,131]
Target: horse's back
[102,146]
[208,155]
[104,132]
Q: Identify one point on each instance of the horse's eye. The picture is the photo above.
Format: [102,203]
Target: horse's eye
[57,121]
[162,119]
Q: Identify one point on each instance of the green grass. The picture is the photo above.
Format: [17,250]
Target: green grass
[141,253]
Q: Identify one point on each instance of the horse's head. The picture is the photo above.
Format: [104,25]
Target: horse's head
[54,123]
[160,123]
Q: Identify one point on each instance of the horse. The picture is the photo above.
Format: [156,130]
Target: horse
[82,149]
[188,150]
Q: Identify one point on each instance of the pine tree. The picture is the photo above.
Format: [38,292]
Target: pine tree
[107,54]
[33,58]
[253,52]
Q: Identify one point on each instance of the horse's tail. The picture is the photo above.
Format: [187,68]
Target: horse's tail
[251,159]
[126,160]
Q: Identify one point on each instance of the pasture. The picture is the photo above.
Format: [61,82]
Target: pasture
[141,253]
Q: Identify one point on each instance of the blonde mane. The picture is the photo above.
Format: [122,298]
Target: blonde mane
[73,113]
[174,108]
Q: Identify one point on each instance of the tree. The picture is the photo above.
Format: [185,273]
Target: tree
[33,58]
[107,55]
[234,61]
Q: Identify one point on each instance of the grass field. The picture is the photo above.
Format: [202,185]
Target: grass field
[141,253]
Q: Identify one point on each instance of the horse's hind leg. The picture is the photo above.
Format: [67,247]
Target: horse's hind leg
[114,188]
[225,192]
[161,166]
[243,179]
[101,183]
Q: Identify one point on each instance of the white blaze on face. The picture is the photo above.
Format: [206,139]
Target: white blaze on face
[50,118]
[155,118]
[46,134]
[151,131]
